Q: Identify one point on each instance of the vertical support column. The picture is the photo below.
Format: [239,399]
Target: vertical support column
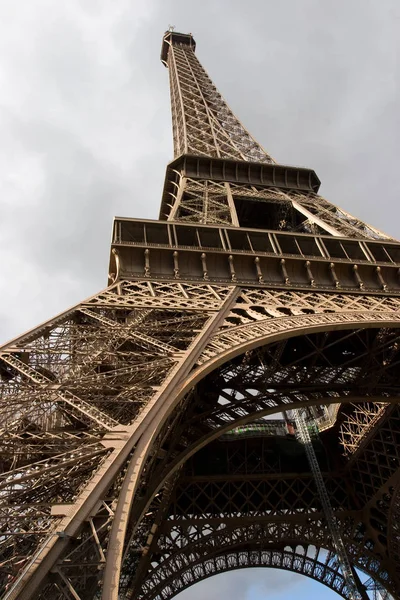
[167,397]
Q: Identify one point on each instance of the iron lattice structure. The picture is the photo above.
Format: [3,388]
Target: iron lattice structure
[139,448]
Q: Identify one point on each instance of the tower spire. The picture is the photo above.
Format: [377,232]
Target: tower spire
[203,123]
[269,196]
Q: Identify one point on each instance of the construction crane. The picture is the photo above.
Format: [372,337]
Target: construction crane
[303,435]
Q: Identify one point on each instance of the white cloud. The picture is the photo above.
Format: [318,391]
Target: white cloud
[85,126]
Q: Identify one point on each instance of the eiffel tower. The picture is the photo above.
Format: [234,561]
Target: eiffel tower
[147,434]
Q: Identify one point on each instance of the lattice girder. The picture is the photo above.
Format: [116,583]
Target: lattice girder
[130,335]
[286,560]
[182,541]
[259,544]
[86,376]
[200,418]
[204,125]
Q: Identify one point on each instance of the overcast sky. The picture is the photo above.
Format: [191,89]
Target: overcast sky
[86,133]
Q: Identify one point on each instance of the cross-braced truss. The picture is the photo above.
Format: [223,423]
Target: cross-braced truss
[69,391]
[76,390]
[250,482]
[204,125]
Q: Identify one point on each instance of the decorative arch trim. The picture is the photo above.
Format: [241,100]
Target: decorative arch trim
[241,559]
[229,343]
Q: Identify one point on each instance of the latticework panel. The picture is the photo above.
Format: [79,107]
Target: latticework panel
[394,525]
[70,393]
[359,422]
[305,560]
[181,552]
[251,481]
[203,202]
[204,125]
[76,390]
[341,221]
[207,201]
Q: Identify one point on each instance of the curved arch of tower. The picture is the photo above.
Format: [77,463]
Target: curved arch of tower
[150,436]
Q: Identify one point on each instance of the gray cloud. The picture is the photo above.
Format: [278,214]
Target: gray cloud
[85,128]
[85,124]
